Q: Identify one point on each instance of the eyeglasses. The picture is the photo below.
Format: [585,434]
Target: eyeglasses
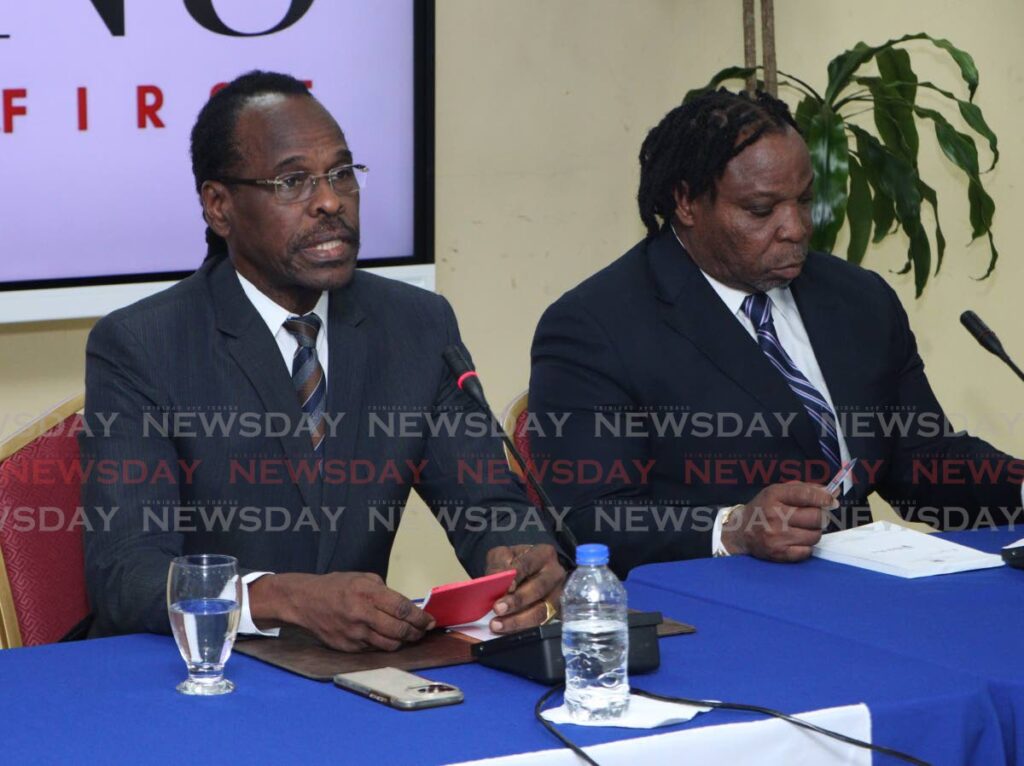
[301,185]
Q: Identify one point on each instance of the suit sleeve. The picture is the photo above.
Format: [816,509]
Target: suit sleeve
[578,374]
[917,483]
[478,512]
[127,550]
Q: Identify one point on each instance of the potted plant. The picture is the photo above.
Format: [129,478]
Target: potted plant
[874,182]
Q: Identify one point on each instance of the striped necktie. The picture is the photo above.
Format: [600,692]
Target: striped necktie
[308,377]
[759,308]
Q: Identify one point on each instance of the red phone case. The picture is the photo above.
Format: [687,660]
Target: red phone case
[460,602]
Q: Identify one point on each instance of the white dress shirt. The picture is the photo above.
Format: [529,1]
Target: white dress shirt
[793,338]
[275,316]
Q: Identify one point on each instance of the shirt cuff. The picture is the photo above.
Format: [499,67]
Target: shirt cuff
[717,549]
[245,624]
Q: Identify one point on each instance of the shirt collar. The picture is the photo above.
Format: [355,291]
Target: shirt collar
[274,315]
[781,297]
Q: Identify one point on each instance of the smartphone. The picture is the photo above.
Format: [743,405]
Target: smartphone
[394,687]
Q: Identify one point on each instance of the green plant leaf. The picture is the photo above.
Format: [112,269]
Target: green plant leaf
[968,69]
[859,212]
[899,180]
[894,118]
[842,67]
[961,151]
[971,113]
[729,73]
[894,68]
[974,118]
[993,259]
[801,86]
[898,75]
[883,209]
[928,194]
[805,112]
[827,143]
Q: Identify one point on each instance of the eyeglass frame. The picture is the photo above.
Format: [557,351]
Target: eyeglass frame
[276,183]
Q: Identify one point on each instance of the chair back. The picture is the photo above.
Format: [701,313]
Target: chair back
[42,567]
[515,421]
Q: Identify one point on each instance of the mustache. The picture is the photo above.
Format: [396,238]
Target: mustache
[336,229]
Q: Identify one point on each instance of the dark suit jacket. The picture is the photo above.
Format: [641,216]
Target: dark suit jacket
[200,350]
[649,335]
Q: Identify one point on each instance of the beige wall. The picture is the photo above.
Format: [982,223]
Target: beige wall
[541,108]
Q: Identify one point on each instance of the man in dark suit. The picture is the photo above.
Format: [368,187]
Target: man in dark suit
[258,398]
[718,373]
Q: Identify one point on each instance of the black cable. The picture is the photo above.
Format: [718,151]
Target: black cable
[539,707]
[727,706]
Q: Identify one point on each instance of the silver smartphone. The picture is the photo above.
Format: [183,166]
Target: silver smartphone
[399,689]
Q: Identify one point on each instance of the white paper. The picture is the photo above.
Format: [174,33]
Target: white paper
[642,713]
[766,743]
[896,550]
[479,630]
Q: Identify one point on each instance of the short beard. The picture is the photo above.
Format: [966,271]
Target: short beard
[764,285]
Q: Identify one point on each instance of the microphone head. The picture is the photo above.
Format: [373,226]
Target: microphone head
[981,332]
[465,376]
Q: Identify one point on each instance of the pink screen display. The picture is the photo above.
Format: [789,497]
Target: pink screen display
[94,124]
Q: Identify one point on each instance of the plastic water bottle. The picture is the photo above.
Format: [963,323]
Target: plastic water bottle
[595,638]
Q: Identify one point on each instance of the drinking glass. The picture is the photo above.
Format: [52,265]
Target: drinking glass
[204,597]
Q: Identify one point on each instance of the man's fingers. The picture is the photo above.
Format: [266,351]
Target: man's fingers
[398,606]
[388,633]
[797,553]
[804,538]
[535,615]
[806,518]
[532,561]
[804,495]
[530,591]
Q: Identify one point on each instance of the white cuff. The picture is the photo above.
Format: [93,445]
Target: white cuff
[717,549]
[245,624]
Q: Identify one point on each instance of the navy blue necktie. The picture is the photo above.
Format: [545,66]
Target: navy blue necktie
[759,308]
[308,377]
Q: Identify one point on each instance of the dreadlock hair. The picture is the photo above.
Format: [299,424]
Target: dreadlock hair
[214,148]
[695,141]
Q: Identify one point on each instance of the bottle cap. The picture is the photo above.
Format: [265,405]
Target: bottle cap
[592,554]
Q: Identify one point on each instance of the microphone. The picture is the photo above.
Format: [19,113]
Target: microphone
[468,381]
[987,339]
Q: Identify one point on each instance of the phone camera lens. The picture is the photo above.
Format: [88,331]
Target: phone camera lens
[435,689]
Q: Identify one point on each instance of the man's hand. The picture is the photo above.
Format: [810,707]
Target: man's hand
[781,523]
[539,579]
[350,611]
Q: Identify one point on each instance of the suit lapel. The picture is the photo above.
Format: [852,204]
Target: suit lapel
[346,377]
[254,349]
[690,306]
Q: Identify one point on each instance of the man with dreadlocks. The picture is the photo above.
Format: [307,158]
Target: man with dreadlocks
[724,373]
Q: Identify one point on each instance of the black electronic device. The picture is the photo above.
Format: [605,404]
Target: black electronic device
[1013,555]
[536,653]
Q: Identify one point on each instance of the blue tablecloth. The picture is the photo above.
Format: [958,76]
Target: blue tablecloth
[964,622]
[113,700]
